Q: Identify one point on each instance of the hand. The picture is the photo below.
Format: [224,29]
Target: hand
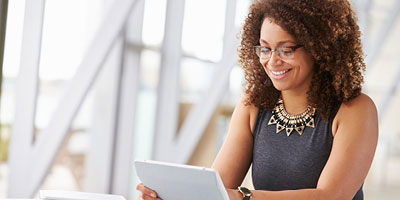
[146,193]
[234,194]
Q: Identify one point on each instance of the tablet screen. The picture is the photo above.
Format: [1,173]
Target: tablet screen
[181,182]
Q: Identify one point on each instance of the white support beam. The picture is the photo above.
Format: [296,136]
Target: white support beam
[23,128]
[48,144]
[384,31]
[168,86]
[123,160]
[178,148]
[197,120]
[102,134]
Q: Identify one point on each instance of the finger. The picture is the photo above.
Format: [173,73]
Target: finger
[144,197]
[147,197]
[141,196]
[145,190]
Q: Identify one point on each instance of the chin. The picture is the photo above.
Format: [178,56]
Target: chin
[279,87]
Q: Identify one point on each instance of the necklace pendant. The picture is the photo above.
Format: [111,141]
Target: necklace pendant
[279,128]
[288,131]
[288,122]
[310,123]
[300,129]
[272,120]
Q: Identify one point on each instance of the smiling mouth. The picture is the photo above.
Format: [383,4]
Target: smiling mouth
[277,73]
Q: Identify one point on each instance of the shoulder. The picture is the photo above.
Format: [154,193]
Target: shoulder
[359,111]
[247,110]
[361,105]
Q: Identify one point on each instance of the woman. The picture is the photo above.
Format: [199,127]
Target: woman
[303,123]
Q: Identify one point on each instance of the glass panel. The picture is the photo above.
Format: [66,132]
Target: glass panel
[195,78]
[242,8]
[66,38]
[153,22]
[203,29]
[65,41]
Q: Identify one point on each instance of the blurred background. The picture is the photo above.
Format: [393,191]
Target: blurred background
[88,86]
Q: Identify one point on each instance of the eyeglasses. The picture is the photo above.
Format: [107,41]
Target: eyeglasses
[284,52]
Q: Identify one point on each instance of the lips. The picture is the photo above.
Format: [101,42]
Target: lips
[278,73]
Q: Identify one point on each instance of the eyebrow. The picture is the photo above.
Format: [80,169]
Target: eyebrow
[279,43]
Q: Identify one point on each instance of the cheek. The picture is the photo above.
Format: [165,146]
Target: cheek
[309,67]
[264,65]
[308,62]
[306,69]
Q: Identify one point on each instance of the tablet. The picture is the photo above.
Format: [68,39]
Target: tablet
[73,195]
[181,182]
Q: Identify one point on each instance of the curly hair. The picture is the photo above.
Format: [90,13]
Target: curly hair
[328,31]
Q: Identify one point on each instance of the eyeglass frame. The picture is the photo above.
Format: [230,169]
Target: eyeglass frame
[294,48]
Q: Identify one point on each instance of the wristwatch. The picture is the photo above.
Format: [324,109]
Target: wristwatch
[245,192]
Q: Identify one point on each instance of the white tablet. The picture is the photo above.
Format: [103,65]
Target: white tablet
[181,182]
[73,195]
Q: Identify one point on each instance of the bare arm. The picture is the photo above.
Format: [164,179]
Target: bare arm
[353,149]
[356,133]
[235,156]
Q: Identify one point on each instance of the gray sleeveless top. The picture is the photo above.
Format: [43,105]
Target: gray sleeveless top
[289,163]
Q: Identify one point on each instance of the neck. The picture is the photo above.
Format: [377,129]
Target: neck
[294,102]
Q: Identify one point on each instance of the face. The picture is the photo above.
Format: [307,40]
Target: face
[293,74]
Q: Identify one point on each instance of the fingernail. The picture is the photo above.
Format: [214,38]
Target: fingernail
[153,195]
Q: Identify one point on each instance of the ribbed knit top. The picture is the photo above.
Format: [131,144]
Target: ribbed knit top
[282,162]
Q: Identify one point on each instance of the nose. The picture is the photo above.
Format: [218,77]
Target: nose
[274,59]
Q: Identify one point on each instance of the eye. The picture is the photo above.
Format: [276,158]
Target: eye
[285,50]
[265,50]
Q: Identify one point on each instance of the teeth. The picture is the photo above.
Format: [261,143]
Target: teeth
[280,72]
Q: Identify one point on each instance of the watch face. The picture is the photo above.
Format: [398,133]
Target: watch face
[245,191]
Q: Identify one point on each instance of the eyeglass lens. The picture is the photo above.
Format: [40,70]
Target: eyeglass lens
[284,52]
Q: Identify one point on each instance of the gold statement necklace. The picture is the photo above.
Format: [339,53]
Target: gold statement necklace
[284,120]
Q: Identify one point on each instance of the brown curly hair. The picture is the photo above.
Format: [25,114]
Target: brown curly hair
[328,31]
